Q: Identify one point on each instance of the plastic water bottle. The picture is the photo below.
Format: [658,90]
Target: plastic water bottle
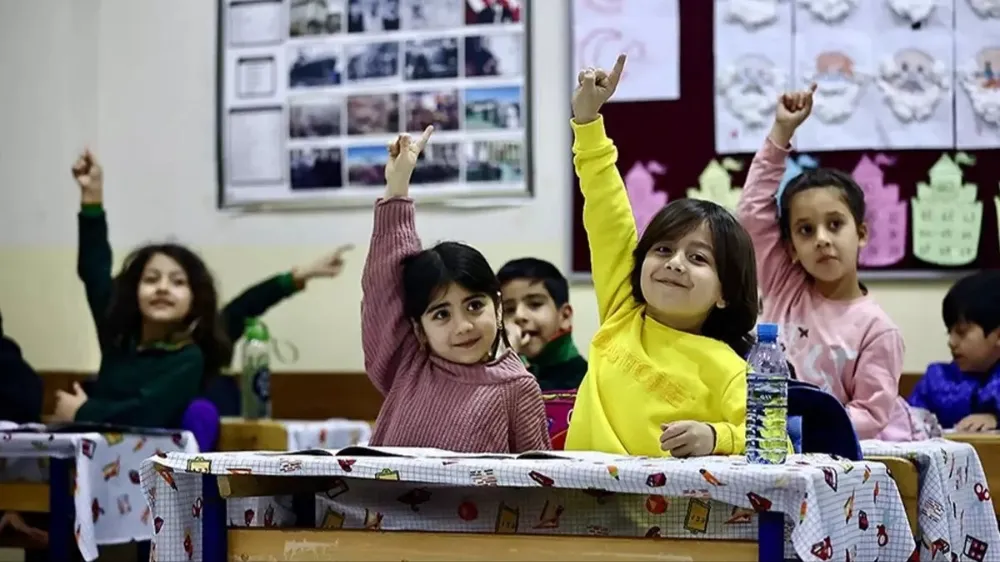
[256,371]
[767,399]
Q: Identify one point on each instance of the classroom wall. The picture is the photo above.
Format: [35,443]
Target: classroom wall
[135,80]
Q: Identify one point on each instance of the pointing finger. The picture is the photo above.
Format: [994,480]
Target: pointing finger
[344,249]
[616,71]
[812,88]
[422,142]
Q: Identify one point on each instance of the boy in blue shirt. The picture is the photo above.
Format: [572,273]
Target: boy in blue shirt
[536,307]
[965,394]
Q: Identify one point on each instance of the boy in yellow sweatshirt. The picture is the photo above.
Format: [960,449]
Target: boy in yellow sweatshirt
[666,374]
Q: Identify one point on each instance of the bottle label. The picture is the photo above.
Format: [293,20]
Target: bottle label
[262,384]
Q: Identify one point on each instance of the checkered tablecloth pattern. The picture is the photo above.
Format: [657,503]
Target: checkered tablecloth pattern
[834,508]
[110,505]
[956,510]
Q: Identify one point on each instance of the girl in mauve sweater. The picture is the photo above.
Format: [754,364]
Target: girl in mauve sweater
[433,337]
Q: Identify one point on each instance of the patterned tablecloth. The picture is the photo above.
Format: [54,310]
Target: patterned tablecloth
[110,506]
[334,433]
[956,509]
[834,509]
[326,434]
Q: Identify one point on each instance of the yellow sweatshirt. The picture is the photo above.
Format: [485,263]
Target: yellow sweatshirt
[641,373]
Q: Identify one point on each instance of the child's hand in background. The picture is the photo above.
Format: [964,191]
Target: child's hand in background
[90,177]
[67,403]
[594,88]
[977,422]
[327,266]
[403,155]
[516,337]
[793,108]
[687,439]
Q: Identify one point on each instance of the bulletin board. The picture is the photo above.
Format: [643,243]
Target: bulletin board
[671,146]
[310,92]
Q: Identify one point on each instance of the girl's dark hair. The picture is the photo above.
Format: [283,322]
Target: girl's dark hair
[849,189]
[430,271]
[735,263]
[123,324]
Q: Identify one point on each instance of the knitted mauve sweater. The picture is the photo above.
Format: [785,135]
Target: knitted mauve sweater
[493,407]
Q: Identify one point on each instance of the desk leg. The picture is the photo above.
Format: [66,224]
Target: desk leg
[62,510]
[213,521]
[771,536]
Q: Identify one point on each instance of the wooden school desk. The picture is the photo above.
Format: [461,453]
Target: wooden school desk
[266,544]
[987,445]
[238,434]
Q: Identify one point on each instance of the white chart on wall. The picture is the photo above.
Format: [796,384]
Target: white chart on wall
[312,91]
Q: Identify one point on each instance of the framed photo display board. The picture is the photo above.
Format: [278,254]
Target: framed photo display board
[312,91]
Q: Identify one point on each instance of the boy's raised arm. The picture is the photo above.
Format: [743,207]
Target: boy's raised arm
[387,338]
[607,213]
[758,207]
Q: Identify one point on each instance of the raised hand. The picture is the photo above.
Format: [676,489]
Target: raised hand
[793,108]
[594,87]
[329,266]
[403,154]
[90,177]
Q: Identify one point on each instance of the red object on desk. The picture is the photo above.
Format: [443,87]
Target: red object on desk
[558,409]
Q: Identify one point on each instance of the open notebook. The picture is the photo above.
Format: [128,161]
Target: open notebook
[415,453]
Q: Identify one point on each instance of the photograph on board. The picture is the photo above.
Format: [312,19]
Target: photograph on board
[438,163]
[366,165]
[316,118]
[373,114]
[495,161]
[432,59]
[419,15]
[373,61]
[314,66]
[316,168]
[493,108]
[315,17]
[438,108]
[494,55]
[372,16]
[486,12]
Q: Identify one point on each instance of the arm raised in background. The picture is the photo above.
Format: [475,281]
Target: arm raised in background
[387,337]
[93,264]
[876,384]
[258,299]
[607,213]
[758,207]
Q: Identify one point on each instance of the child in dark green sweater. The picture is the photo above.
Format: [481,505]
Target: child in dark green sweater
[159,326]
[540,322]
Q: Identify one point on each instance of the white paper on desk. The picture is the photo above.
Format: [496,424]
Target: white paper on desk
[846,102]
[977,88]
[255,152]
[255,22]
[648,31]
[752,68]
[914,81]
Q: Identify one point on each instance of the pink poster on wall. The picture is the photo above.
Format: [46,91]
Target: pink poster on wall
[646,200]
[886,215]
